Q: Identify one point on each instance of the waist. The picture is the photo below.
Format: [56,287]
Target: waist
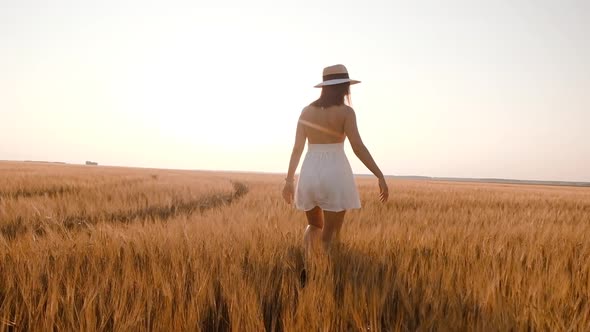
[334,147]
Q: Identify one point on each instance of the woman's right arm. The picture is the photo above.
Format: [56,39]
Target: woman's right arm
[361,151]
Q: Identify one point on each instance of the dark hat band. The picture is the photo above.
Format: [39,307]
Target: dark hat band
[335,76]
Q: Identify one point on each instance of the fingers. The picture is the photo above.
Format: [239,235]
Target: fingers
[288,195]
[383,191]
[384,195]
[288,198]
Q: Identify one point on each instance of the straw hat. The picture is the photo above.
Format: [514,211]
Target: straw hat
[336,74]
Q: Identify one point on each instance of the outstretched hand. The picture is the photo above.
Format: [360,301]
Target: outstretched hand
[383,190]
[289,192]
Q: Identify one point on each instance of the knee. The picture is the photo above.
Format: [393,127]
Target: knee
[316,223]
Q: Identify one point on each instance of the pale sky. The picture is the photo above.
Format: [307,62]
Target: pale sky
[449,88]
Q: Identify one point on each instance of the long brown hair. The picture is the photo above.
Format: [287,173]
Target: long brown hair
[333,95]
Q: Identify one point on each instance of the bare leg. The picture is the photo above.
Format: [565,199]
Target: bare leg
[332,225]
[313,232]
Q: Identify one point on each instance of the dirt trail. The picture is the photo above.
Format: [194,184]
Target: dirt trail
[15,228]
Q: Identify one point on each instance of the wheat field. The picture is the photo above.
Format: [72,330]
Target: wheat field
[120,249]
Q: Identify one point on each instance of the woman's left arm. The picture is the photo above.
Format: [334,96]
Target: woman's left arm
[300,137]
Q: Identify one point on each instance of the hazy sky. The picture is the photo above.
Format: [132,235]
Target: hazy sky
[450,88]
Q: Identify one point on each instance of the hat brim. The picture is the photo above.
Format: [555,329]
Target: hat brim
[336,81]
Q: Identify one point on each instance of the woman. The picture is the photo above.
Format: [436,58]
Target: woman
[326,187]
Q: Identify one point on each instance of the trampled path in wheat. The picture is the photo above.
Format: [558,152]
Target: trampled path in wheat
[12,229]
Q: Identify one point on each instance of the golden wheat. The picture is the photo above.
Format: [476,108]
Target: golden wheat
[438,256]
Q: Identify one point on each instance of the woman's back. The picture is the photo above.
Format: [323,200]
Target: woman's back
[326,186]
[325,125]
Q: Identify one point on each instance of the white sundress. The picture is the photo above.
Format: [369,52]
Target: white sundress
[326,180]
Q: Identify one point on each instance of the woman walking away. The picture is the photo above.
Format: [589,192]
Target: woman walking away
[326,187]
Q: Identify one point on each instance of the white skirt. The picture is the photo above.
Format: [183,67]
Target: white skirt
[326,180]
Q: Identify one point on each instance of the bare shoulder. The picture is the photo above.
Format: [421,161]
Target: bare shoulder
[348,111]
[306,110]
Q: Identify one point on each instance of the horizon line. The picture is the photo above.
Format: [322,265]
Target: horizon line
[409,177]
